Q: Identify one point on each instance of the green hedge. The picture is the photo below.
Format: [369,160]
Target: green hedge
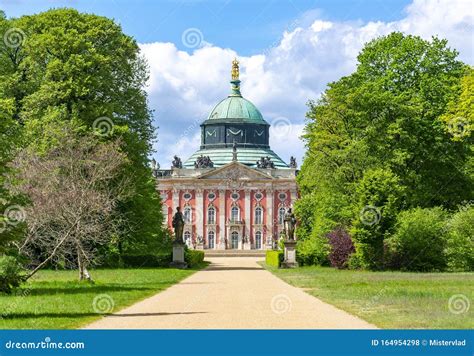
[156,260]
[274,258]
[193,257]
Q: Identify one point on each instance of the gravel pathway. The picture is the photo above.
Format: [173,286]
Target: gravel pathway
[231,293]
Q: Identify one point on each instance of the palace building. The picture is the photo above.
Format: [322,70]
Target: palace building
[233,191]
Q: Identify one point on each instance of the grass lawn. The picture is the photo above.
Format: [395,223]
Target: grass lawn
[390,299]
[56,300]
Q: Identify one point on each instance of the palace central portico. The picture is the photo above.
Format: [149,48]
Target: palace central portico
[234,191]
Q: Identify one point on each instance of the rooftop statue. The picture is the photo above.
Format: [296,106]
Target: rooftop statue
[265,162]
[234,152]
[293,163]
[177,162]
[203,162]
[235,69]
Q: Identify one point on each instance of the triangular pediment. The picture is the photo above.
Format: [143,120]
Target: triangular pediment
[235,171]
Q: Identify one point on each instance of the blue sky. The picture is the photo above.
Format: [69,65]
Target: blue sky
[289,51]
[246,26]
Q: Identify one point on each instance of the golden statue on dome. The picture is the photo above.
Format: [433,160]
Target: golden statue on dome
[235,69]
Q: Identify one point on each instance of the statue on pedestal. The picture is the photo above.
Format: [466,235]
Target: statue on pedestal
[289,222]
[178,225]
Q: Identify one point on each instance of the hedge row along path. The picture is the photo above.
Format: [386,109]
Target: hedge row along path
[231,293]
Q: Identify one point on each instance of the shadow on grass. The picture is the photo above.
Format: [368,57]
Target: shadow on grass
[13,316]
[85,289]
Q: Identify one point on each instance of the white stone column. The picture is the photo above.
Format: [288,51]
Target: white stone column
[269,206]
[175,192]
[247,214]
[222,227]
[199,211]
[294,196]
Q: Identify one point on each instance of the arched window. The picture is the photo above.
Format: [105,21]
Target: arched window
[258,240]
[281,215]
[211,236]
[258,216]
[234,214]
[188,215]
[234,240]
[211,215]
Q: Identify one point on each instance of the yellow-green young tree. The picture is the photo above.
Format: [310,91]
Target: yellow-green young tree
[376,144]
[65,66]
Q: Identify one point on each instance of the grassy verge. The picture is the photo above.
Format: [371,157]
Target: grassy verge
[391,299]
[56,300]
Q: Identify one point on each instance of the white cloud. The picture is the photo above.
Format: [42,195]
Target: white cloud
[184,87]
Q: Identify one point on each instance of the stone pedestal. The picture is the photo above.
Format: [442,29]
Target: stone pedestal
[289,260]
[247,245]
[178,256]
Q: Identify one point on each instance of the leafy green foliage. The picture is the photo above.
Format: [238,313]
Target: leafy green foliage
[81,68]
[11,274]
[460,243]
[419,241]
[378,198]
[313,251]
[376,142]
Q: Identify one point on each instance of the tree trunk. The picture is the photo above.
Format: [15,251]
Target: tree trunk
[81,263]
[42,264]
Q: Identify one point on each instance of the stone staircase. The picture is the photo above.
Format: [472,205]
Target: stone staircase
[234,253]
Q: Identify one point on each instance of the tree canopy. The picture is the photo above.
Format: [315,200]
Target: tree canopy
[379,141]
[63,66]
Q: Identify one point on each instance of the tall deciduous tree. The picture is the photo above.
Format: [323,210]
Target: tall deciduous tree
[81,68]
[73,191]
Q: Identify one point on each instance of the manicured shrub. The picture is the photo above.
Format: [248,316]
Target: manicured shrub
[273,258]
[341,247]
[314,251]
[193,257]
[11,274]
[156,260]
[460,243]
[419,241]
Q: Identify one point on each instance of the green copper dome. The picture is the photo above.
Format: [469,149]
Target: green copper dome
[235,122]
[236,108]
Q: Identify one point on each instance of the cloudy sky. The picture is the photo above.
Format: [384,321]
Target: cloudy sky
[289,50]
